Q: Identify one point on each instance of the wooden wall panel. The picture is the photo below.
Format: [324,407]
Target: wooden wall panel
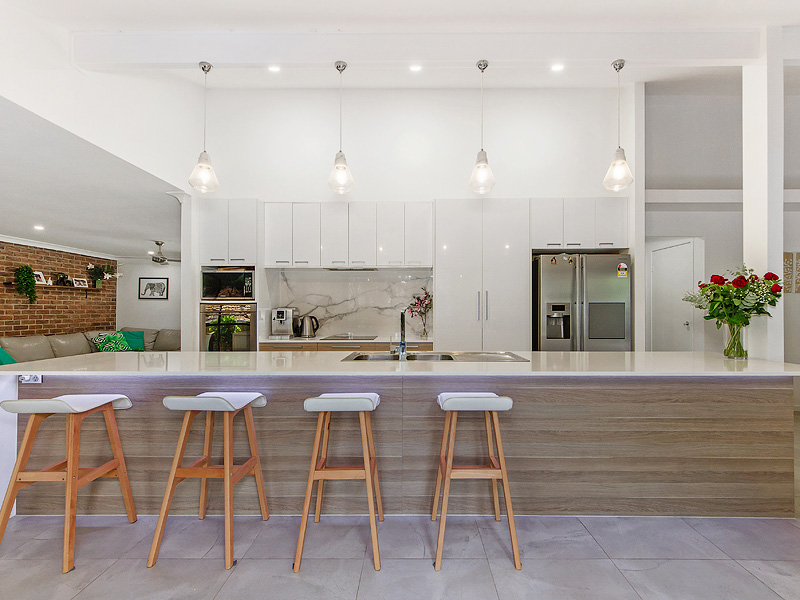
[590,445]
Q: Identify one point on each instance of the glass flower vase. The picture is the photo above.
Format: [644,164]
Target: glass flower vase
[734,342]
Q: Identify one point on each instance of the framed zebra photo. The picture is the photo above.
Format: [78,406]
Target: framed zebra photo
[153,288]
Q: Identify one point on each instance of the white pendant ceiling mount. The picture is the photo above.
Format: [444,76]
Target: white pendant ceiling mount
[619,176]
[482,179]
[341,179]
[203,178]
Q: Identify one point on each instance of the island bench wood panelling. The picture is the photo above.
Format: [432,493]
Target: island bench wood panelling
[587,441]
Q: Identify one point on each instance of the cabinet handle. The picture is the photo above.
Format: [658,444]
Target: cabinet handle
[346,346]
[282,262]
[573,243]
[486,305]
[301,262]
[216,259]
[553,244]
[338,262]
[241,259]
[605,243]
[479,305]
[358,262]
[395,262]
[414,262]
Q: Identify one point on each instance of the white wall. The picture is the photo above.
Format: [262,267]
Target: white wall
[148,314]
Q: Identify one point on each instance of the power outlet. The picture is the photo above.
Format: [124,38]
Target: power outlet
[30,379]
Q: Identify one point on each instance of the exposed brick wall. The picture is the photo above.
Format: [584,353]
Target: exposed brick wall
[57,310]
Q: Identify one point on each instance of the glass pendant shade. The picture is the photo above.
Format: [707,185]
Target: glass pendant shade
[341,180]
[619,176]
[482,179]
[203,178]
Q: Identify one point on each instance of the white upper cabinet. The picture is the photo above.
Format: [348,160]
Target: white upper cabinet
[305,234]
[579,223]
[213,231]
[391,234]
[278,234]
[333,234]
[419,234]
[363,234]
[242,232]
[547,223]
[611,222]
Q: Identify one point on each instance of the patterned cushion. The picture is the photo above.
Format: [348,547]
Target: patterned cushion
[111,342]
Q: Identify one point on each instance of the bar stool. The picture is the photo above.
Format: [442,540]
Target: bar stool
[77,407]
[229,404]
[490,404]
[325,404]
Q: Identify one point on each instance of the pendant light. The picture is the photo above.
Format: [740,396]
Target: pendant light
[341,179]
[482,179]
[203,178]
[619,174]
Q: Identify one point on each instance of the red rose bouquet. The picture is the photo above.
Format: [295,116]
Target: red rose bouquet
[420,306]
[733,301]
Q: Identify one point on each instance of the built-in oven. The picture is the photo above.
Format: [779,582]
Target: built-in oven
[230,285]
[228,327]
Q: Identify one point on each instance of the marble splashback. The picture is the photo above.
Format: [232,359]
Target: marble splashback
[360,302]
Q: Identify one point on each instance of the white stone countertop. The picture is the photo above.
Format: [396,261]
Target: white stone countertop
[570,364]
[381,339]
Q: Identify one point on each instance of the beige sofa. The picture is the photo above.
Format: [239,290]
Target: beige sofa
[38,347]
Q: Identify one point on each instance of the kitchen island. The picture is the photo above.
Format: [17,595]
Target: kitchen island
[611,433]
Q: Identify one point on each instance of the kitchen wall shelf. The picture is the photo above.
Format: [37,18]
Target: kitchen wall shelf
[61,288]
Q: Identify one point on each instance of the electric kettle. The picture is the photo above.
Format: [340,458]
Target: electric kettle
[308,326]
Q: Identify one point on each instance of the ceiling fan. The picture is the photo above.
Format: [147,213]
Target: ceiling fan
[159,257]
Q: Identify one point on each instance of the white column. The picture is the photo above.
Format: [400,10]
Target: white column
[8,432]
[762,137]
[636,220]
[190,274]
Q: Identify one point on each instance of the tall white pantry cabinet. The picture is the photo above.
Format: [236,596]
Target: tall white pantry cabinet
[482,275]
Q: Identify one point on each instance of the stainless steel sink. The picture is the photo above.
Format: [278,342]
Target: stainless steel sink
[439,356]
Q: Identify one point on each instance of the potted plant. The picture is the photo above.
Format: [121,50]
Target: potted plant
[100,272]
[25,282]
[420,306]
[733,301]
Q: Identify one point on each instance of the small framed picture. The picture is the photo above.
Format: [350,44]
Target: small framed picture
[80,282]
[39,277]
[153,288]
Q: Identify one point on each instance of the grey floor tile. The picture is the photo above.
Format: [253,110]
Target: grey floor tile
[37,579]
[401,579]
[319,578]
[539,537]
[693,580]
[752,539]
[189,537]
[561,579]
[22,529]
[781,576]
[415,537]
[649,537]
[169,579]
[332,537]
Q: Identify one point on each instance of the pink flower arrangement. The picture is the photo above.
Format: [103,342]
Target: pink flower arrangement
[420,306]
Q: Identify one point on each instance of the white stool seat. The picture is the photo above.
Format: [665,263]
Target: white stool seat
[217,401]
[355,402]
[69,403]
[474,401]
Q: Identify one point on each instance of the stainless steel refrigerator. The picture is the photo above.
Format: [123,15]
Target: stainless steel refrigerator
[582,302]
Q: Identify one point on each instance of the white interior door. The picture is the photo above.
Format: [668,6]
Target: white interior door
[671,319]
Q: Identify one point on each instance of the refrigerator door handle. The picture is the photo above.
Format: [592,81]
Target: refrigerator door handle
[577,334]
[486,305]
[479,305]
[584,307]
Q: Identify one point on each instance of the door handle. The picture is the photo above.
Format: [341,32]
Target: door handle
[686,323]
[479,305]
[486,305]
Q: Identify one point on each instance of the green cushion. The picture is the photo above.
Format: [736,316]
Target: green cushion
[111,342]
[6,358]
[135,339]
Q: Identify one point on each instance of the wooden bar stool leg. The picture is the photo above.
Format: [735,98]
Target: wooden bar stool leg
[227,451]
[309,486]
[188,417]
[122,469]
[257,472]
[446,493]
[375,458]
[22,462]
[439,473]
[512,528]
[71,492]
[207,445]
[373,527]
[323,458]
[490,445]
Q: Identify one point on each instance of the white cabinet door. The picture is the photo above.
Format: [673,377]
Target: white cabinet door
[611,222]
[363,234]
[213,232]
[547,223]
[579,224]
[242,232]
[419,234]
[458,295]
[333,234]
[391,233]
[506,275]
[278,234]
[305,234]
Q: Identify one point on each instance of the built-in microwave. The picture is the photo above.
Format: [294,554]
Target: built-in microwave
[228,285]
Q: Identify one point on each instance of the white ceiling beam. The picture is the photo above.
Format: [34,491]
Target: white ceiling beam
[180,50]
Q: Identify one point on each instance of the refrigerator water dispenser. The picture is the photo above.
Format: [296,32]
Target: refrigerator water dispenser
[558,321]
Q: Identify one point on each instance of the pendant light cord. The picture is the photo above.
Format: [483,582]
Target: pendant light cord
[619,140]
[340,110]
[205,102]
[481,111]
